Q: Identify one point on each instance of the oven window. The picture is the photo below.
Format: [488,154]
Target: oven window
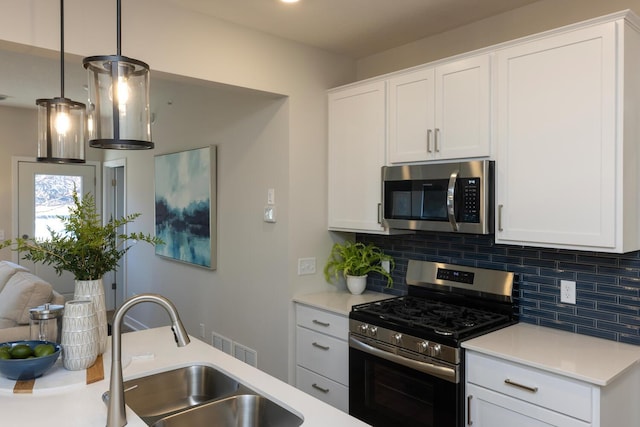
[385,394]
[394,391]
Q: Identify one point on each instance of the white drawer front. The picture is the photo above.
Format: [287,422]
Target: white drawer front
[331,392]
[323,321]
[555,392]
[323,354]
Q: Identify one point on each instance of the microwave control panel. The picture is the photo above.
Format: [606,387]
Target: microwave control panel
[470,211]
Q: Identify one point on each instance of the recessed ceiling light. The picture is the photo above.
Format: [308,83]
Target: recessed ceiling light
[289,1]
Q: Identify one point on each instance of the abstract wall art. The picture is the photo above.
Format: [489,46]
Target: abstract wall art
[185,206]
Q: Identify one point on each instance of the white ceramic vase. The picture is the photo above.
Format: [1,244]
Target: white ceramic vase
[356,284]
[80,336]
[93,290]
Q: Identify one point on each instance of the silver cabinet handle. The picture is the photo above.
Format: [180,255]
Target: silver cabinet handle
[523,387]
[379,213]
[500,217]
[317,322]
[429,140]
[469,422]
[317,387]
[322,347]
[436,145]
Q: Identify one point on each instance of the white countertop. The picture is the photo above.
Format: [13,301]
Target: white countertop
[63,398]
[594,360]
[339,302]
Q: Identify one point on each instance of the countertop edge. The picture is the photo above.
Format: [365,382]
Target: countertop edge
[521,344]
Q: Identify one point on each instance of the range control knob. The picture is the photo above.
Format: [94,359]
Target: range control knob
[363,328]
[397,338]
[423,346]
[435,350]
[373,331]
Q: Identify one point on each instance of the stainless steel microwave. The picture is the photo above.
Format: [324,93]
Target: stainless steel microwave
[454,197]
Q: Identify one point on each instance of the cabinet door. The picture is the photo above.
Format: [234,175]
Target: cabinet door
[486,408]
[556,168]
[356,155]
[411,117]
[463,105]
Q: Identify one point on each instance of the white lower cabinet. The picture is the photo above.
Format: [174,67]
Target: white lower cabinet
[322,355]
[501,393]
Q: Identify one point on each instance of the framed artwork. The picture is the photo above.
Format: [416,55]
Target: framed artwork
[185,206]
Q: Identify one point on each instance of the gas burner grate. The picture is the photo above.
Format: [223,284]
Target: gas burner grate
[438,317]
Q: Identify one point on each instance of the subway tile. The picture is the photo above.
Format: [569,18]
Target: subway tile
[608,285]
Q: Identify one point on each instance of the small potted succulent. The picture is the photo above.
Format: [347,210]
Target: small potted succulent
[354,261]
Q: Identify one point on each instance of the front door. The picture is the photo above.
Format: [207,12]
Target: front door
[44,192]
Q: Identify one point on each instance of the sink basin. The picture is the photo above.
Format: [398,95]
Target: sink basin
[200,395]
[165,393]
[246,410]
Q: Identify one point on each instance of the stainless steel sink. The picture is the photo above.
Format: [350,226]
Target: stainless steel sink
[246,410]
[159,395]
[200,395]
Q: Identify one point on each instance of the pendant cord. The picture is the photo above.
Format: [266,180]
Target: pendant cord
[119,41]
[61,48]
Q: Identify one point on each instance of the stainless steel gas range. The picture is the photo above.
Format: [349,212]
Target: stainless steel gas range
[406,366]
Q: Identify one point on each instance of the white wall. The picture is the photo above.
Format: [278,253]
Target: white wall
[264,142]
[533,18]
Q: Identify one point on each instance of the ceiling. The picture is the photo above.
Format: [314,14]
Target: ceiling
[355,28]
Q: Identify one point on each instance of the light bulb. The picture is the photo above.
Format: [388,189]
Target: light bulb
[62,122]
[122,91]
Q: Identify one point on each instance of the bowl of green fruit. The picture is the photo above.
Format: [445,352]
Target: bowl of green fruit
[25,360]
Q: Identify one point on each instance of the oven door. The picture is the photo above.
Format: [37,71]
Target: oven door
[384,392]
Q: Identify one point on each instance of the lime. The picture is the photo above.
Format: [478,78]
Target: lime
[5,355]
[43,350]
[20,351]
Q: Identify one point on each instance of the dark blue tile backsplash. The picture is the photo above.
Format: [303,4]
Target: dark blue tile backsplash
[607,285]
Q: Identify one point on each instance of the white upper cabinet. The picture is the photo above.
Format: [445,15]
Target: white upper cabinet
[357,129]
[567,136]
[441,112]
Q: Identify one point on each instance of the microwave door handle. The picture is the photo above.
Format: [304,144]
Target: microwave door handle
[451,207]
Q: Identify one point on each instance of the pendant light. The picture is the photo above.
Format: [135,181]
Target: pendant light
[118,111]
[61,121]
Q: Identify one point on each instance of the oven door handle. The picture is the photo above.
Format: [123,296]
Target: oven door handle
[443,372]
[451,203]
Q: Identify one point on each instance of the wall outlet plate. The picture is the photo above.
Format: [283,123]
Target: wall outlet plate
[568,291]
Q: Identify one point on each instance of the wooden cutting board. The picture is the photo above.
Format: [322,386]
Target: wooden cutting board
[95,373]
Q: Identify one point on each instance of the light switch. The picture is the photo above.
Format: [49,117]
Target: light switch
[271,196]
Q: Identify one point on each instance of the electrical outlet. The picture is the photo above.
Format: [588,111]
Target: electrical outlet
[306,266]
[202,330]
[386,265]
[568,291]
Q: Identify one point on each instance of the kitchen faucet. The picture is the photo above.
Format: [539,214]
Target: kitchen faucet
[116,415]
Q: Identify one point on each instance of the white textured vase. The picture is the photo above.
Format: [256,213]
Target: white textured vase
[80,336]
[93,290]
[356,284]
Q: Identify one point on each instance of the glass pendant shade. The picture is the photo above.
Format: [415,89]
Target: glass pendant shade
[118,115]
[61,130]
[61,121]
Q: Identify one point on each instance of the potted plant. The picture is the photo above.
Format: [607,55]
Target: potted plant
[355,261]
[87,248]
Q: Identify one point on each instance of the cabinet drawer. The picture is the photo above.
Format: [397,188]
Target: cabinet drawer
[548,390]
[323,321]
[323,354]
[331,392]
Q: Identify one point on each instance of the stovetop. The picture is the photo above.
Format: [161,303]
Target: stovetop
[424,317]
[445,303]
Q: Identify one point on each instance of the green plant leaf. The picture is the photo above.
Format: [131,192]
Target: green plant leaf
[86,247]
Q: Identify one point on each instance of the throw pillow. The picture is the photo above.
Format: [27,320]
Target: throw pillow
[22,292]
[8,269]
